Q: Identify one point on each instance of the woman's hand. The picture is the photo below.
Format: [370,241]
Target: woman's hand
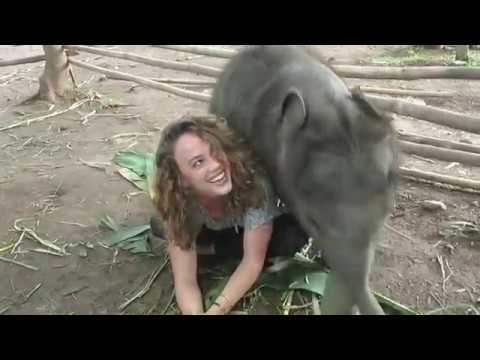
[255,245]
[187,291]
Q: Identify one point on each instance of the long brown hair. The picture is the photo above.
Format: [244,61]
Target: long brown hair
[173,200]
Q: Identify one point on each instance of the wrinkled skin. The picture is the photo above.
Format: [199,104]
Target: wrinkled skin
[329,153]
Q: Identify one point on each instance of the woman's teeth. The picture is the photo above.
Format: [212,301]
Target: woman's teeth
[218,178]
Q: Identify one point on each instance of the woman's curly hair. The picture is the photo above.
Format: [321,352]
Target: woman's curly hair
[172,199]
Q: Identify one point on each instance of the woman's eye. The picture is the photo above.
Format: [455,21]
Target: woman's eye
[197,163]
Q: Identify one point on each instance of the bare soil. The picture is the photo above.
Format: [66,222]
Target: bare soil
[43,181]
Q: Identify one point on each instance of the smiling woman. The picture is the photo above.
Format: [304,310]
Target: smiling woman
[214,199]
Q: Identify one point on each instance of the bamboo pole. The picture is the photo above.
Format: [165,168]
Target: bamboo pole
[406,92]
[407,73]
[370,72]
[195,68]
[24,60]
[428,113]
[438,178]
[429,151]
[142,81]
[419,139]
[201,50]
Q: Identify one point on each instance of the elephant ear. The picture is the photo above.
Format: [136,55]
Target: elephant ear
[294,111]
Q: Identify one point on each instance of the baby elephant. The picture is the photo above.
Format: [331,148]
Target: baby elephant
[329,153]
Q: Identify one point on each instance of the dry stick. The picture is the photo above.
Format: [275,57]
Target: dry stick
[45,243]
[438,142]
[399,233]
[146,287]
[44,117]
[439,153]
[438,178]
[428,113]
[72,77]
[201,50]
[170,301]
[315,305]
[24,60]
[452,307]
[75,291]
[195,68]
[143,81]
[11,261]
[442,269]
[31,292]
[18,242]
[288,302]
[44,251]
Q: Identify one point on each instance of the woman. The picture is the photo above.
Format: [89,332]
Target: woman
[213,199]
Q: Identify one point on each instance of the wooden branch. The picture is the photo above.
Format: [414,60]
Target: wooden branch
[429,151]
[142,81]
[24,60]
[438,178]
[428,113]
[12,261]
[201,50]
[438,142]
[406,92]
[407,73]
[195,68]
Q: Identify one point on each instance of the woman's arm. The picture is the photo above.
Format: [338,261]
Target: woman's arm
[187,291]
[255,244]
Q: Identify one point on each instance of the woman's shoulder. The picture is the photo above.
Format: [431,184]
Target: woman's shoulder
[269,209]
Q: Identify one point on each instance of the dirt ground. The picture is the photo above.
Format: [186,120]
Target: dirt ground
[43,180]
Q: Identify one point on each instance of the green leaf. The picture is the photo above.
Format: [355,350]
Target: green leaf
[313,282]
[132,160]
[109,223]
[124,234]
[293,273]
[136,245]
[150,169]
[138,168]
[133,178]
[396,307]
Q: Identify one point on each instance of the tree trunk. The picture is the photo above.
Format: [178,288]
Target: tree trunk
[53,82]
[461,52]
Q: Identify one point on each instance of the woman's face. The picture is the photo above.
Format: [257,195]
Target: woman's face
[205,175]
